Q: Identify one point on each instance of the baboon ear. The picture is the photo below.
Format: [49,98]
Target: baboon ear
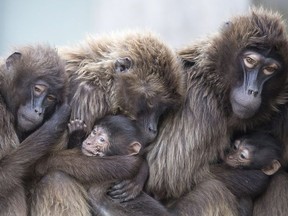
[12,59]
[272,168]
[123,64]
[187,58]
[227,25]
[134,148]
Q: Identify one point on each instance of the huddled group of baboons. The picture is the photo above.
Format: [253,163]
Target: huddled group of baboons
[124,124]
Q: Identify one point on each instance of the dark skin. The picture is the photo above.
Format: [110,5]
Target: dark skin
[134,74]
[235,82]
[258,67]
[37,121]
[124,138]
[36,97]
[248,166]
[114,135]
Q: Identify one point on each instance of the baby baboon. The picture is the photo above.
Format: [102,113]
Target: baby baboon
[134,74]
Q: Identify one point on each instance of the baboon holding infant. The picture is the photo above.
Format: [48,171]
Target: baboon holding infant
[235,82]
[134,74]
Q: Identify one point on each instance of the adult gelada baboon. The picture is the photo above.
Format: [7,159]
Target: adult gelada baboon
[24,111]
[235,81]
[133,73]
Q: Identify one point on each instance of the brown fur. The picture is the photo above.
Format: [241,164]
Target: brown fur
[17,158]
[274,200]
[153,82]
[97,90]
[196,135]
[53,183]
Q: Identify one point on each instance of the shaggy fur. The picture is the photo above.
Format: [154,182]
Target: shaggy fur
[17,158]
[274,200]
[196,135]
[36,62]
[97,89]
[153,84]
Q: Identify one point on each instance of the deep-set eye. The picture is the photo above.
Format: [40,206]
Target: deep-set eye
[269,70]
[94,132]
[102,139]
[249,62]
[36,89]
[51,98]
[242,156]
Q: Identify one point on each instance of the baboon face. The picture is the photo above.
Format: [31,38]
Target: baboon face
[35,85]
[143,101]
[134,74]
[147,84]
[257,151]
[257,69]
[254,49]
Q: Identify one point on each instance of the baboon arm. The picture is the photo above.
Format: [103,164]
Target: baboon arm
[91,169]
[131,188]
[13,167]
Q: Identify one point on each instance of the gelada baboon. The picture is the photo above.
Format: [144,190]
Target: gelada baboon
[30,79]
[235,81]
[248,166]
[112,135]
[133,73]
[35,79]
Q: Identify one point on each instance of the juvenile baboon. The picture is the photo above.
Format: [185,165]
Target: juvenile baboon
[113,135]
[34,85]
[235,81]
[248,166]
[26,111]
[133,73]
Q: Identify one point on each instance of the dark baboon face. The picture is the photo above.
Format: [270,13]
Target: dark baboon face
[254,51]
[133,74]
[255,151]
[41,101]
[36,83]
[256,70]
[143,101]
[144,81]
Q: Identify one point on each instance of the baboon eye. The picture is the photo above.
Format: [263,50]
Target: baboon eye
[51,98]
[102,139]
[250,62]
[39,89]
[242,156]
[270,70]
[36,89]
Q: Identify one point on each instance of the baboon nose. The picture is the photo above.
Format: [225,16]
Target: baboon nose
[38,111]
[152,129]
[252,92]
